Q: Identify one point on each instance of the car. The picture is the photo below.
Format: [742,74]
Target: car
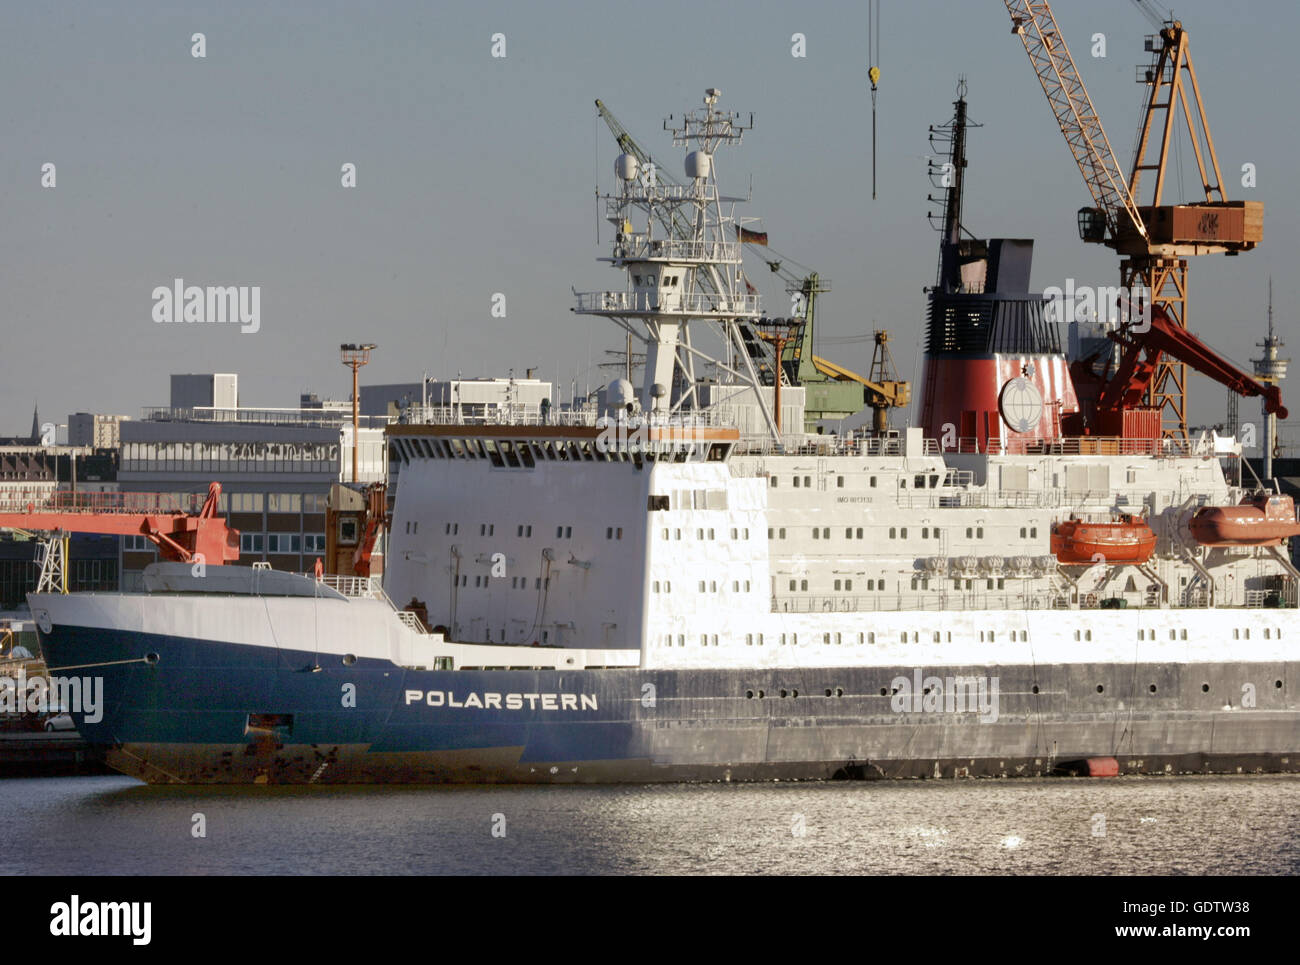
[61,721]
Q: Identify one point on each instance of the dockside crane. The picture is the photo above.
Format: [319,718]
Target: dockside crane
[1155,240]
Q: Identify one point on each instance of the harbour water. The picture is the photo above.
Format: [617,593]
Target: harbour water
[113,825]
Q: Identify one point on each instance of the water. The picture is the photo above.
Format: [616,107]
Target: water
[113,825]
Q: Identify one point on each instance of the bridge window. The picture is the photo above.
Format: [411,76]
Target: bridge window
[839,482]
[873,482]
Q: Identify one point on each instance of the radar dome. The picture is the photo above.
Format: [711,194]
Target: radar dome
[625,167]
[619,394]
[698,164]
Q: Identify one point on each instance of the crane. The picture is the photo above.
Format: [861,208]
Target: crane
[1155,240]
[1123,386]
[203,537]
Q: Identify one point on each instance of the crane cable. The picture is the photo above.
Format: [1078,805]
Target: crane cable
[873,74]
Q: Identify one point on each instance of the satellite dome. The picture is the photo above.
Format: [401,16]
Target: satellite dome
[698,164]
[619,394]
[626,167]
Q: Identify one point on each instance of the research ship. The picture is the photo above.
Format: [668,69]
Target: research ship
[679,581]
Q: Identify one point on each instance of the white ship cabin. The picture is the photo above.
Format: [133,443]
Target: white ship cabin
[691,542]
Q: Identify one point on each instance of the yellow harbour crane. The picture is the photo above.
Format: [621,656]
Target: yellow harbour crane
[1155,239]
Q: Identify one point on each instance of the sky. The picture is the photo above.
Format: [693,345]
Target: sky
[475,176]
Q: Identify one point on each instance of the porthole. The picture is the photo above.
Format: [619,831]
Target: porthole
[1100,689]
[884,692]
[1035,688]
[794,693]
[761,695]
[152,659]
[1205,688]
[839,691]
[828,691]
[1152,688]
[349,659]
[749,695]
[1277,684]
[784,693]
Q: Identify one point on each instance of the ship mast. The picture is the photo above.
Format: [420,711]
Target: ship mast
[685,282]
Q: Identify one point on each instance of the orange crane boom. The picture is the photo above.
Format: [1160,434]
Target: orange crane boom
[182,537]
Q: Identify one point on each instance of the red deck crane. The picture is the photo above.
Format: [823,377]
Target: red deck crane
[184,537]
[1121,388]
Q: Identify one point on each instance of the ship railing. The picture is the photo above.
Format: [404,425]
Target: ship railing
[1256,598]
[723,416]
[357,587]
[762,445]
[263,416]
[1071,446]
[412,621]
[867,603]
[696,304]
[520,414]
[639,247]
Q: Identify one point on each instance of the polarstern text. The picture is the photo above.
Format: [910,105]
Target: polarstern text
[487,701]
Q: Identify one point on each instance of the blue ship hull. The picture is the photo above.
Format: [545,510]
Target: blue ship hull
[179,710]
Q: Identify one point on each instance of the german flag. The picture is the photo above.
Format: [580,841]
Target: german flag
[748,237]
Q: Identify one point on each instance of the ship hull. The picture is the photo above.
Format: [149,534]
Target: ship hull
[183,710]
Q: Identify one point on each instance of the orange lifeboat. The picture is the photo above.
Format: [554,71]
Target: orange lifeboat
[1127,539]
[1265,519]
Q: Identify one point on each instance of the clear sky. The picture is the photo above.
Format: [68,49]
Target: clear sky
[475,175]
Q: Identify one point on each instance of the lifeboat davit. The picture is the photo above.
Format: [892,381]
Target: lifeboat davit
[1127,539]
[1266,519]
